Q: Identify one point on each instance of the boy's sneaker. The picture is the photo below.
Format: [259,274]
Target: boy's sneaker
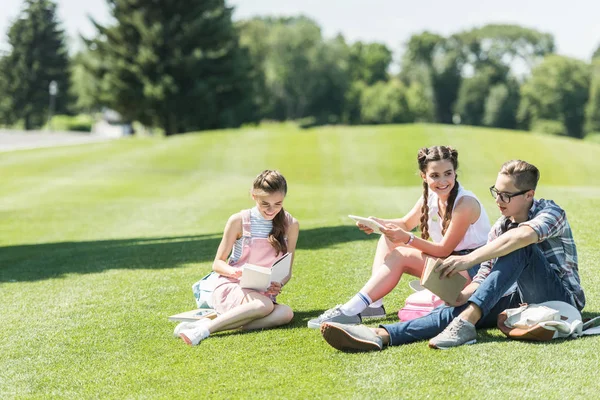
[334,314]
[351,337]
[373,312]
[456,334]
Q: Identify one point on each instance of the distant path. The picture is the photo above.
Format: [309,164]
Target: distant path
[11,140]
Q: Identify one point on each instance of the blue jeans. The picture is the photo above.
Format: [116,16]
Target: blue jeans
[536,280]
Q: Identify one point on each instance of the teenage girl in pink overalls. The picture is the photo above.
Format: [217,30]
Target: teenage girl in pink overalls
[257,236]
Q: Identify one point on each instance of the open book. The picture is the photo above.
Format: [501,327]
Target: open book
[260,278]
[447,288]
[194,315]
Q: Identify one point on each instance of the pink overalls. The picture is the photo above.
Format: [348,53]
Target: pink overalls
[258,251]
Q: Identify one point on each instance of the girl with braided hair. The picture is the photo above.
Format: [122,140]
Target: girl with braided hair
[452,217]
[257,236]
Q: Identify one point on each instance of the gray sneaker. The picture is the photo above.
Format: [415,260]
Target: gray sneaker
[373,312]
[334,314]
[459,332]
[351,337]
[415,285]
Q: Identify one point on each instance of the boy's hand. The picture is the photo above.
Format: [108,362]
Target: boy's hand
[453,265]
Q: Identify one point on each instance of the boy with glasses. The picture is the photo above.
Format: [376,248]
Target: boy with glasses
[530,245]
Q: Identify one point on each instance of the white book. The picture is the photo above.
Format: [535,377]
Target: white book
[371,223]
[260,278]
[194,315]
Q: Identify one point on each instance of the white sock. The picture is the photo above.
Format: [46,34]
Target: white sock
[202,327]
[357,304]
[377,304]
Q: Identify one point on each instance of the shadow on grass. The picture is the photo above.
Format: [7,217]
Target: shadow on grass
[33,262]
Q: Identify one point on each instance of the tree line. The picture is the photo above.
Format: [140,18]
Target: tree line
[188,66]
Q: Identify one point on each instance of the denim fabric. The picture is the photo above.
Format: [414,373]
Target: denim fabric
[536,282]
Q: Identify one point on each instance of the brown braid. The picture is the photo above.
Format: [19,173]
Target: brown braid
[424,156]
[268,182]
[425,213]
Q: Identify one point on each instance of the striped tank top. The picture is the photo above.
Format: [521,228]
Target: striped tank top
[259,228]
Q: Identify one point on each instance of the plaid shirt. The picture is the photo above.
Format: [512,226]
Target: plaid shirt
[555,239]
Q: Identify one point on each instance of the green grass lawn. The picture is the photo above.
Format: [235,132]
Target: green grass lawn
[100,243]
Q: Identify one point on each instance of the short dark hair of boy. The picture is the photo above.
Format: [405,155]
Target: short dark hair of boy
[525,175]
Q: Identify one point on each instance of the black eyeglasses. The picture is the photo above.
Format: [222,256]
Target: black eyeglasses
[505,197]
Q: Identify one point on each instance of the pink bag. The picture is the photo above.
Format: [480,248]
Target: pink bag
[418,305]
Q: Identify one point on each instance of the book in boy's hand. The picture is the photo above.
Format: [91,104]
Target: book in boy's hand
[447,288]
[259,278]
[194,315]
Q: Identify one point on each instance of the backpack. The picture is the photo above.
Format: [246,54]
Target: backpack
[542,322]
[419,304]
[203,290]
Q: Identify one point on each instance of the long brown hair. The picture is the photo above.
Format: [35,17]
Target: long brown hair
[424,157]
[269,182]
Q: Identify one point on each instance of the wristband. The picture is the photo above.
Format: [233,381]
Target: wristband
[412,237]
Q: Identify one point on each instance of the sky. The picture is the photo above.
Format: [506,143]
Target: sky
[574,24]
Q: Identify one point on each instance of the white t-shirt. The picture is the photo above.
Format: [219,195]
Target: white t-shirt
[477,233]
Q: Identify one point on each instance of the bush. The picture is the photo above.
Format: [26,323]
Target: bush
[79,123]
[549,127]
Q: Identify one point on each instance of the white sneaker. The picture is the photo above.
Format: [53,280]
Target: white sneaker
[196,333]
[181,326]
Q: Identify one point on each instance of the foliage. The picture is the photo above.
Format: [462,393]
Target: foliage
[592,110]
[420,102]
[369,62]
[80,123]
[557,90]
[440,59]
[501,105]
[298,73]
[497,45]
[178,67]
[37,56]
[385,103]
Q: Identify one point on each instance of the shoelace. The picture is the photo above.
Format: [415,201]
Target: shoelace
[332,312]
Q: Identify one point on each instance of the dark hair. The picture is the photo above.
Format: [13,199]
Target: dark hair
[525,175]
[424,157]
[268,182]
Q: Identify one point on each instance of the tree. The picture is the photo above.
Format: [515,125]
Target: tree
[435,62]
[300,74]
[369,62]
[385,103]
[175,65]
[37,57]
[557,91]
[592,110]
[501,105]
[496,45]
[474,91]
[596,53]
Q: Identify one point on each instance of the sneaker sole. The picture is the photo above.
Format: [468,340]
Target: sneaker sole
[185,339]
[341,340]
[434,346]
[363,317]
